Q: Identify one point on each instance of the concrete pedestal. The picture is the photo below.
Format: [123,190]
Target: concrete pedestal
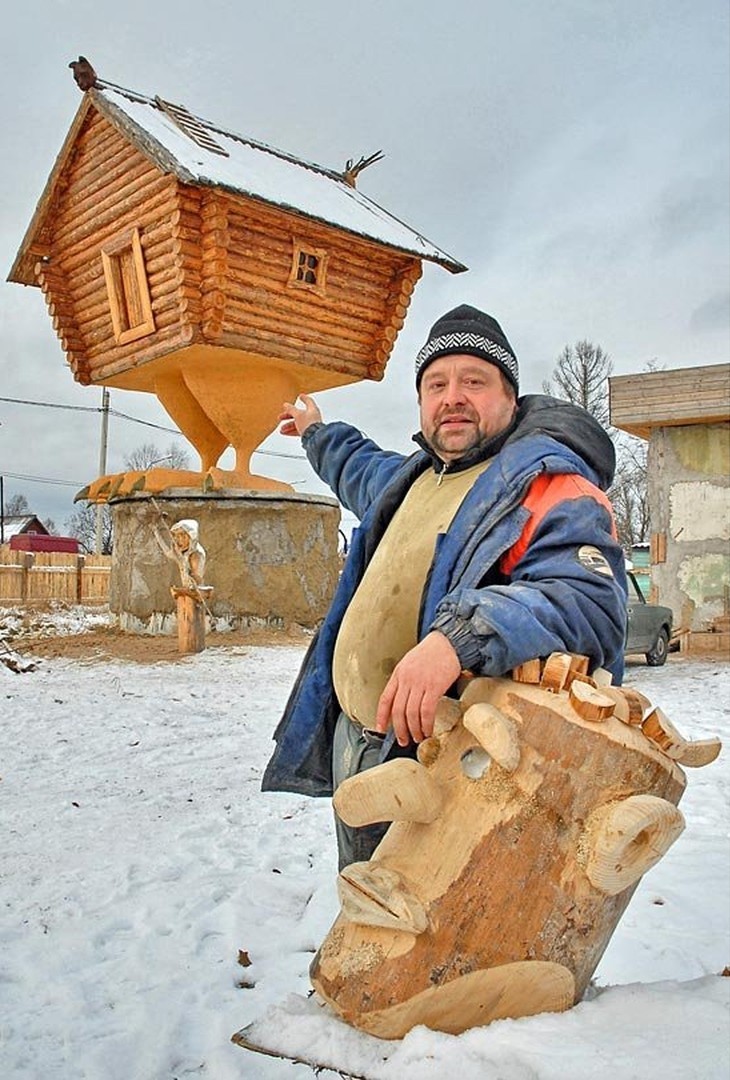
[271,557]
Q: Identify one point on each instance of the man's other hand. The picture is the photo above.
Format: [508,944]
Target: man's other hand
[296,419]
[413,691]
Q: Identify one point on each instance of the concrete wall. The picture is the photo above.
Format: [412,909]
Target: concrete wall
[689,494]
[271,558]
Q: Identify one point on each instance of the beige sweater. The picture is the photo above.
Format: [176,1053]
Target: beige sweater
[381,622]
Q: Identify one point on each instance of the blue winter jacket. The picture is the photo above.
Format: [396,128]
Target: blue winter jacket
[554,600]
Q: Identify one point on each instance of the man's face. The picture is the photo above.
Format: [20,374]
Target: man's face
[463,401]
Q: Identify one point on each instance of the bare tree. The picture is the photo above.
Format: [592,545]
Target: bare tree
[629,492]
[581,375]
[146,455]
[82,525]
[16,506]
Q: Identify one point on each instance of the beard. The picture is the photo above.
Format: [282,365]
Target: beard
[453,441]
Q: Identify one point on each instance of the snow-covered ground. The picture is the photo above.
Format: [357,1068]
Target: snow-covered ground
[139,857]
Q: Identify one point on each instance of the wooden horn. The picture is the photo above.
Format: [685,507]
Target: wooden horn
[496,733]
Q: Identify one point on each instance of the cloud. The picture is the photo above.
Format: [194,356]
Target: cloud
[573,155]
[714,314]
[687,211]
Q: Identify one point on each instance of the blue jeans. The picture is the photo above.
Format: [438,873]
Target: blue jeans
[355,749]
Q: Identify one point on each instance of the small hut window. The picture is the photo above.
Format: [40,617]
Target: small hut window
[127,288]
[309,267]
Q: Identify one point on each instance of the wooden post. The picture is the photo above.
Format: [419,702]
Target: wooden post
[191,617]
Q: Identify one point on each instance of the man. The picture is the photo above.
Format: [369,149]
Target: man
[492,545]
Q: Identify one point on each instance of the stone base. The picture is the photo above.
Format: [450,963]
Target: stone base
[272,558]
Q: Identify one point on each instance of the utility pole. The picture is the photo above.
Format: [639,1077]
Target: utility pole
[2,510]
[102,466]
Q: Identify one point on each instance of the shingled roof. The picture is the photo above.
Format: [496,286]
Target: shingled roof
[204,154]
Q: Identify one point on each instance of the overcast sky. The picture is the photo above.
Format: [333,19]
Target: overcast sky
[573,154]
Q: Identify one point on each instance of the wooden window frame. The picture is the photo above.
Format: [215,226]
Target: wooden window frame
[127,291]
[301,247]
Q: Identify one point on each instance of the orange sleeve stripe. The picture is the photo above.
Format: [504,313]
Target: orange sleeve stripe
[545,492]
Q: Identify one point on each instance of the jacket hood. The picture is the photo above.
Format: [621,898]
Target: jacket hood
[540,414]
[574,427]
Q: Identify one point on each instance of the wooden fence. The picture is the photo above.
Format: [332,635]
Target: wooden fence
[33,577]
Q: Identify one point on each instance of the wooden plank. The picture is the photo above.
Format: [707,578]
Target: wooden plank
[693,395]
[53,576]
[13,574]
[95,578]
[276,249]
[364,296]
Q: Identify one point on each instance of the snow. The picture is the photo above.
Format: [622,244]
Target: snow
[277,179]
[139,857]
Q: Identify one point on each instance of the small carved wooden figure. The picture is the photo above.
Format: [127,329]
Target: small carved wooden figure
[185,550]
[191,595]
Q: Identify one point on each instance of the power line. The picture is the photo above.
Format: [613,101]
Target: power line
[133,420]
[146,423]
[52,405]
[43,479]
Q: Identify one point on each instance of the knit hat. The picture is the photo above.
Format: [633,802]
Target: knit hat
[468,330]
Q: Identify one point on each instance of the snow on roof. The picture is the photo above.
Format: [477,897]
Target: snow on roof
[16,524]
[252,168]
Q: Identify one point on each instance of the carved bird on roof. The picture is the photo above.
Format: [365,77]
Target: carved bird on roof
[354,168]
[84,73]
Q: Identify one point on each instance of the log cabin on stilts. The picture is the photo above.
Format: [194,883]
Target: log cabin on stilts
[224,276]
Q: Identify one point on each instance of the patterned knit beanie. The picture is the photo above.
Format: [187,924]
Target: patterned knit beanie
[467,330]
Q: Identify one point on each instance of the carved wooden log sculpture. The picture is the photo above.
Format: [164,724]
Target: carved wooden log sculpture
[517,841]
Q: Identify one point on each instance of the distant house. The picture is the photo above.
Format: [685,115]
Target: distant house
[26,532]
[685,417]
[20,525]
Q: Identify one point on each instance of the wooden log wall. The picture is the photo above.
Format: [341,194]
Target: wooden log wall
[350,327]
[215,243]
[108,189]
[33,577]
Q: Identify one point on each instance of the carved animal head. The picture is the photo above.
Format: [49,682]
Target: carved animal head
[517,840]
